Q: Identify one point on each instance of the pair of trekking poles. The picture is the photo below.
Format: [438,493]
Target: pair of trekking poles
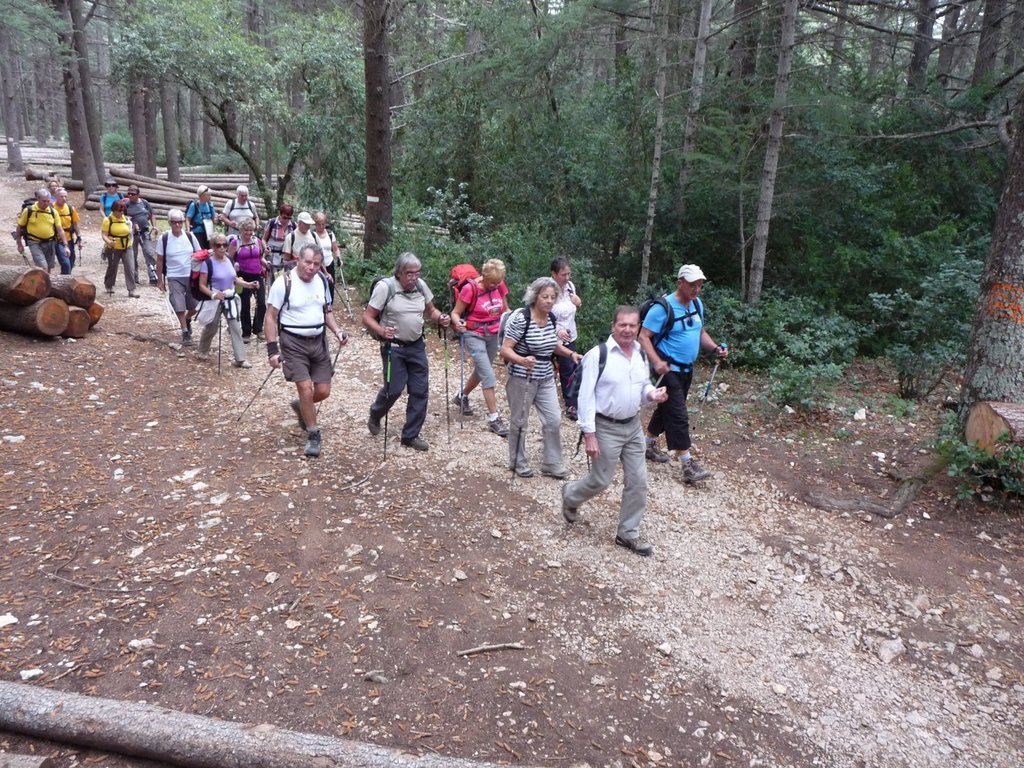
[334,364]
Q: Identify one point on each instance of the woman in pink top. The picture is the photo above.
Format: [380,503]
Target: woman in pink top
[247,251]
[477,316]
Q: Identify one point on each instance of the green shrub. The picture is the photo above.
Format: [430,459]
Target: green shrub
[1000,474]
[801,386]
[118,147]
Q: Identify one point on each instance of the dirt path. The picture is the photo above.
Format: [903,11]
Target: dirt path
[157,549]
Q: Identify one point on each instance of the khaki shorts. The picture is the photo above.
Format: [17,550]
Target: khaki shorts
[180,295]
[305,358]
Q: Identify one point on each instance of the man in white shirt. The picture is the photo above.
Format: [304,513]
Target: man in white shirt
[299,303]
[239,208]
[609,417]
[174,251]
[299,238]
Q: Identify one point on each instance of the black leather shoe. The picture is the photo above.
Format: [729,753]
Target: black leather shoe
[637,546]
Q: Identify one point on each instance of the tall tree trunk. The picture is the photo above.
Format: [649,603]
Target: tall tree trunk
[1013,55]
[917,72]
[988,44]
[168,113]
[83,164]
[700,56]
[743,48]
[150,100]
[137,124]
[772,152]
[92,118]
[659,20]
[950,42]
[195,120]
[995,358]
[379,214]
[9,92]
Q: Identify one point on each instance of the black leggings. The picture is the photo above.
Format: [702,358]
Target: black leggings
[671,417]
[252,324]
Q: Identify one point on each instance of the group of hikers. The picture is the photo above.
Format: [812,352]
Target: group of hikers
[208,273]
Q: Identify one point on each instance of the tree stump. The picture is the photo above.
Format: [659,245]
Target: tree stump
[79,323]
[95,311]
[23,285]
[76,291]
[987,420]
[47,317]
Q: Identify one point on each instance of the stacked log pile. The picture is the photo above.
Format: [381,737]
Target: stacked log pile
[36,304]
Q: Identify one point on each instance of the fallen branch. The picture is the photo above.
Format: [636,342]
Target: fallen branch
[905,495]
[193,741]
[493,647]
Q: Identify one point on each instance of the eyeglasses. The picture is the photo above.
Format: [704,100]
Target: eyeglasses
[176,221]
[219,245]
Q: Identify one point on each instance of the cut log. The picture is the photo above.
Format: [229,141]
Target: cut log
[25,761]
[987,420]
[79,323]
[23,285]
[148,731]
[76,291]
[95,311]
[47,317]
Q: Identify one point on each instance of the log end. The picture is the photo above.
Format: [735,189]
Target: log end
[79,323]
[95,311]
[987,421]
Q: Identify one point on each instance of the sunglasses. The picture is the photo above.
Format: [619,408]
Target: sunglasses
[219,245]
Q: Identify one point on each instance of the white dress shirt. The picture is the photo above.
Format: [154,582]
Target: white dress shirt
[624,385]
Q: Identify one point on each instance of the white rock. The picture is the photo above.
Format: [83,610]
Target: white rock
[136,552]
[665,649]
[890,649]
[517,685]
[271,577]
[495,533]
[460,575]
[138,645]
[30,674]
[779,689]
[292,623]
[220,498]
[353,550]
[861,414]
[14,439]
[7,620]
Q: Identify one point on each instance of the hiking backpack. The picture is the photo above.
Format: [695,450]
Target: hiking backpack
[458,278]
[28,203]
[287,301]
[670,316]
[529,319]
[572,390]
[198,259]
[163,250]
[232,205]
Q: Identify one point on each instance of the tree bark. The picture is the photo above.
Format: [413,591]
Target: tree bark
[178,738]
[46,317]
[9,93]
[988,44]
[379,201]
[917,72]
[995,357]
[95,311]
[137,124]
[88,92]
[23,285]
[149,110]
[743,49]
[951,43]
[75,291]
[772,152]
[700,56]
[168,110]
[659,21]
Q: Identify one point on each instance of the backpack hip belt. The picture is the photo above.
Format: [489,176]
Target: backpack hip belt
[32,239]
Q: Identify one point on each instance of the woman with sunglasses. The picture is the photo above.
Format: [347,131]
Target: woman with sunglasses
[276,231]
[117,248]
[218,280]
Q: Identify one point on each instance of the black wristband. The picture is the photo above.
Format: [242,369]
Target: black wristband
[272,349]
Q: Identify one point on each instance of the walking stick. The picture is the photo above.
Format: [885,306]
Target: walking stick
[387,396]
[344,287]
[447,399]
[462,377]
[260,389]
[220,311]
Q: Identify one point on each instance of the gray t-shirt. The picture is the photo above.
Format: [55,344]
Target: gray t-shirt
[406,308]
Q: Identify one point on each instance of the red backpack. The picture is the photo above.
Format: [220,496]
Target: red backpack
[460,275]
[198,259]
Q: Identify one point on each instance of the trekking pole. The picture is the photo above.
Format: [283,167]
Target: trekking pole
[387,396]
[462,377]
[170,308]
[447,399]
[260,389]
[707,388]
[344,287]
[220,311]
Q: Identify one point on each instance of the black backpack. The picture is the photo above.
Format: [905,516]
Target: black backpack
[572,391]
[670,316]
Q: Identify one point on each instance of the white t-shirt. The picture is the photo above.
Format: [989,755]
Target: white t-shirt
[304,315]
[178,256]
[295,241]
[326,244]
[237,211]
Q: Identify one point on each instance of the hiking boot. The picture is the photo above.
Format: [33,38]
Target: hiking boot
[202,356]
[559,473]
[654,453]
[242,364]
[186,338]
[571,413]
[133,295]
[465,409]
[571,514]
[637,546]
[416,443]
[247,339]
[313,443]
[373,425]
[694,472]
[298,413]
[498,427]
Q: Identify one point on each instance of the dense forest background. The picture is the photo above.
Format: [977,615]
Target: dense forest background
[834,167]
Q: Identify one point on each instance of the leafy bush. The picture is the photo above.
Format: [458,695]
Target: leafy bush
[928,328]
[1000,473]
[801,386]
[118,147]
[450,209]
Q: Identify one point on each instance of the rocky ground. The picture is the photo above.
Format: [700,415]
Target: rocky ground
[157,547]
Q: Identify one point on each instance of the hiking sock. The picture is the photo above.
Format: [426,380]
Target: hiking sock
[492,416]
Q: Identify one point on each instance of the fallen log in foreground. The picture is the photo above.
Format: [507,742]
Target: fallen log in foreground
[76,291]
[23,285]
[193,741]
[47,317]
